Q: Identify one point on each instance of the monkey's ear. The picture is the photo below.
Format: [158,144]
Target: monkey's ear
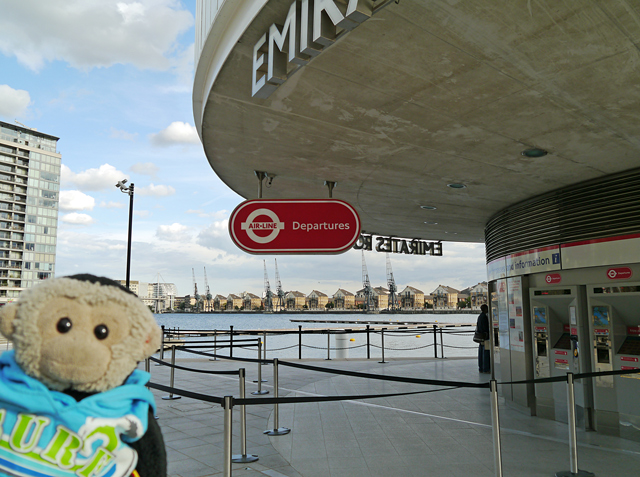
[7,317]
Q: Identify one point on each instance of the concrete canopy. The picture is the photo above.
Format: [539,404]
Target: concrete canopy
[432,92]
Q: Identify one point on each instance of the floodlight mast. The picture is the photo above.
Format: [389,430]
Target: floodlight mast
[128,190]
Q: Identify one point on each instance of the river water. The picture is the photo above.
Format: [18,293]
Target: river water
[396,344]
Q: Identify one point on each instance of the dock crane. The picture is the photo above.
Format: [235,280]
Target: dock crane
[208,297]
[391,284]
[279,305]
[196,295]
[268,294]
[366,286]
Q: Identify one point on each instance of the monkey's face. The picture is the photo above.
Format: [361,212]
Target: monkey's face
[78,339]
[76,334]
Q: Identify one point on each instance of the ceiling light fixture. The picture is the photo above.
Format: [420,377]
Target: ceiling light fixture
[534,152]
[427,207]
[457,186]
[431,223]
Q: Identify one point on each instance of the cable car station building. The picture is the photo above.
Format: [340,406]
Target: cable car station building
[509,123]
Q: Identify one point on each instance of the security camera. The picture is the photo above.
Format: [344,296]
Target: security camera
[121,183]
[270,178]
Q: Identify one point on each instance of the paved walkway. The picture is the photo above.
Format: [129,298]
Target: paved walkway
[443,433]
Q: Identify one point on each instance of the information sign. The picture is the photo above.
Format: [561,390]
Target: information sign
[294,226]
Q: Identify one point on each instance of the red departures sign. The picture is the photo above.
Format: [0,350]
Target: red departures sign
[296,226]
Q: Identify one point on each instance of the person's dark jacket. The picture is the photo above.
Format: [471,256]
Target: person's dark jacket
[483,324]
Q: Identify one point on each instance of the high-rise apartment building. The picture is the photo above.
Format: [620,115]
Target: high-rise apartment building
[29,196]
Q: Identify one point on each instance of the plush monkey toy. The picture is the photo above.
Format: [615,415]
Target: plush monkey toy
[72,402]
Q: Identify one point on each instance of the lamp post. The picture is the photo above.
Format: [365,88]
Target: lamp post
[128,190]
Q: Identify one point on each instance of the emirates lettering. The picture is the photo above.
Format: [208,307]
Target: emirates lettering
[309,27]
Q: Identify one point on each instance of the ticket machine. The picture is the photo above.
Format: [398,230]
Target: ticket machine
[559,329]
[615,331]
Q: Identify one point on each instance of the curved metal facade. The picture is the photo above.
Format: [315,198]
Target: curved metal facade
[596,209]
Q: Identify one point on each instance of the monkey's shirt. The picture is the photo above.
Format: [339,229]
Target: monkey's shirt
[47,433]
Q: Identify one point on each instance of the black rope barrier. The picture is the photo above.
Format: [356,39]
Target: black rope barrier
[220,356]
[381,377]
[185,393]
[557,379]
[194,370]
[324,347]
[306,399]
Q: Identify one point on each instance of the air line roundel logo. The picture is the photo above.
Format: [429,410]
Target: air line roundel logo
[295,226]
[251,226]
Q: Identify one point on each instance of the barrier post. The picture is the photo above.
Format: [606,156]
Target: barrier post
[215,345]
[573,439]
[276,431]
[231,341]
[495,425]
[441,344]
[382,332]
[328,346]
[161,347]
[264,348]
[173,363]
[299,341]
[243,457]
[259,380]
[435,341]
[228,428]
[368,342]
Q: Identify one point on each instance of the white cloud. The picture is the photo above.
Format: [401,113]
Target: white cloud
[105,177]
[93,33]
[145,168]
[13,102]
[143,214]
[173,233]
[77,219]
[210,237]
[217,215]
[76,200]
[156,190]
[118,134]
[176,133]
[112,205]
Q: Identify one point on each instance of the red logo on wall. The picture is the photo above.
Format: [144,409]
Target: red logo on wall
[305,226]
[619,273]
[552,278]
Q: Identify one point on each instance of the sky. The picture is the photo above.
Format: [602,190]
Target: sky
[113,80]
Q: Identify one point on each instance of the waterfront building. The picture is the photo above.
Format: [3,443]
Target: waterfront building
[465,122]
[29,197]
[251,301]
[445,297]
[343,299]
[219,302]
[381,298]
[140,289]
[294,300]
[317,300]
[478,295]
[234,302]
[411,297]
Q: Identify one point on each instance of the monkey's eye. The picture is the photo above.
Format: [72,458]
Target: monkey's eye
[101,332]
[64,325]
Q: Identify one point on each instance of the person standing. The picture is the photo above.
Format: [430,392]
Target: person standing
[484,349]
